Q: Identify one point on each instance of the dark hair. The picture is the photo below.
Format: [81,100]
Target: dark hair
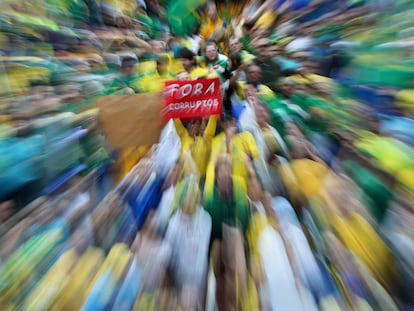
[128,61]
[236,60]
[208,43]
[186,53]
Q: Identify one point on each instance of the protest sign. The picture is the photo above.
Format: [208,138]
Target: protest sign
[130,121]
[191,99]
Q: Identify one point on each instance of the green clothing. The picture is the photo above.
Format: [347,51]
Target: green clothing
[123,82]
[233,213]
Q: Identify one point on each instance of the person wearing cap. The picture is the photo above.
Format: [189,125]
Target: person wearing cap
[127,80]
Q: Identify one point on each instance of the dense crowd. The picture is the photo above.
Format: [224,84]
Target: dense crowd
[297,197]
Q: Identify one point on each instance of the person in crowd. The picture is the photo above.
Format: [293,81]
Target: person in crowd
[213,23]
[236,145]
[197,140]
[127,81]
[216,63]
[188,234]
[155,82]
[228,207]
[236,46]
[254,84]
[152,254]
[189,63]
[265,60]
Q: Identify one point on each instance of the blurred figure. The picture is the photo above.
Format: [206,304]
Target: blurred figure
[189,62]
[189,234]
[217,63]
[153,255]
[213,23]
[127,81]
[228,208]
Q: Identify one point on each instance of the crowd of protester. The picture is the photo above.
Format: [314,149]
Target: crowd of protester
[297,197]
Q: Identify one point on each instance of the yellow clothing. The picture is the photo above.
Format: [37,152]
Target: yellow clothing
[175,66]
[126,7]
[360,238]
[199,146]
[263,91]
[147,67]
[266,20]
[200,73]
[241,144]
[208,29]
[405,100]
[154,83]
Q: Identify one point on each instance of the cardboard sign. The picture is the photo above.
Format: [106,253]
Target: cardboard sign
[191,99]
[130,121]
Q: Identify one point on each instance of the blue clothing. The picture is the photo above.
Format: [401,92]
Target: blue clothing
[297,5]
[142,199]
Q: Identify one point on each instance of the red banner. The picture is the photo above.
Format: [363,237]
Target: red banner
[191,99]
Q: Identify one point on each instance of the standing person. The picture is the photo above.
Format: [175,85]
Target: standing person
[228,207]
[188,234]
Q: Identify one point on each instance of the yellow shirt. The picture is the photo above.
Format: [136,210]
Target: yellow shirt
[199,73]
[263,91]
[241,144]
[199,146]
[208,29]
[154,83]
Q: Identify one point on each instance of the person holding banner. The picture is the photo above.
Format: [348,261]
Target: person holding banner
[197,141]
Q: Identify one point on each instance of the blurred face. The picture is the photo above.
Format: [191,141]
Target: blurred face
[211,52]
[128,69]
[254,75]
[223,174]
[229,127]
[162,68]
[187,64]
[235,45]
[194,129]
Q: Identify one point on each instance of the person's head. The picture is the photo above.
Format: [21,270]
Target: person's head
[212,11]
[158,46]
[188,195]
[235,45]
[187,59]
[253,74]
[262,115]
[228,124]
[162,64]
[223,173]
[211,51]
[128,66]
[235,60]
[194,128]
[263,46]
